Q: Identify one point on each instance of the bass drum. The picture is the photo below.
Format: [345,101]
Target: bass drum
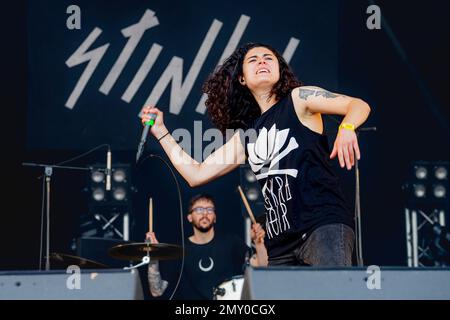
[230,289]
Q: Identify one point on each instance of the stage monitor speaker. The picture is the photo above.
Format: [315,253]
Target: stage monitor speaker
[111,284]
[307,283]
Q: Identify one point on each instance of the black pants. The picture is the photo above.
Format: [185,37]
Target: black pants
[330,245]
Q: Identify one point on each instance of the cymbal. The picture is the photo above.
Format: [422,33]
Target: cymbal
[136,251]
[62,261]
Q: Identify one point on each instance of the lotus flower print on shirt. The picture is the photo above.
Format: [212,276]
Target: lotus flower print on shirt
[265,154]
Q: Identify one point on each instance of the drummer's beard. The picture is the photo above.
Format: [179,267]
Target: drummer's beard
[203,228]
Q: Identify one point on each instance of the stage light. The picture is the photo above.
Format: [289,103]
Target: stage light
[97,176]
[419,190]
[250,176]
[421,172]
[253,194]
[426,206]
[109,212]
[117,199]
[439,191]
[119,175]
[428,183]
[119,194]
[98,194]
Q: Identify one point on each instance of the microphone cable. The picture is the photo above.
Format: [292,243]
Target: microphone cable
[180,202]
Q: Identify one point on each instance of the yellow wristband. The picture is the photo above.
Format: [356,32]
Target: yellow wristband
[348,126]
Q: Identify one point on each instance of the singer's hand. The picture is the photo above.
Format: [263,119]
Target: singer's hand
[151,236]
[158,129]
[346,148]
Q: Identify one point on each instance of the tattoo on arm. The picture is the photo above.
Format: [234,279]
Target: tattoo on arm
[326,94]
[157,285]
[305,93]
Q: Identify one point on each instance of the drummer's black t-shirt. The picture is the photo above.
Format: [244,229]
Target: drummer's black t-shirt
[208,265]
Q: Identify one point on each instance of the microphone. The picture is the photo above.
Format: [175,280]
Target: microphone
[108,170]
[148,124]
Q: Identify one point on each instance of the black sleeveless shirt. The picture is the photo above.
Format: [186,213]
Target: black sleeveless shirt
[301,191]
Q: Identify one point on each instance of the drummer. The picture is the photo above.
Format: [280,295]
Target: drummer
[211,257]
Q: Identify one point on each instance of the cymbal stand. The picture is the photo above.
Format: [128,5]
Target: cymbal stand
[145,260]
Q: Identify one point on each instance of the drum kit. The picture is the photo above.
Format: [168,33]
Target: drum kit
[230,289]
[131,252]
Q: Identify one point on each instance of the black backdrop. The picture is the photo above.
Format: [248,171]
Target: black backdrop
[97,117]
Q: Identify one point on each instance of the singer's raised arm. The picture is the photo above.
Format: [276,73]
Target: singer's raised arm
[223,160]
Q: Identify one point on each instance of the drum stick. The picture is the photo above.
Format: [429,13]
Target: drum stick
[247,206]
[150,215]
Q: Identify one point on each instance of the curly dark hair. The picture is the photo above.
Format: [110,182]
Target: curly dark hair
[231,105]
